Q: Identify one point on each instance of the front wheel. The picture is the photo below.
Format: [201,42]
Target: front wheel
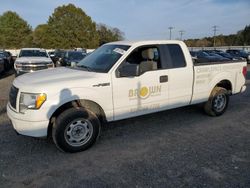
[217,102]
[75,129]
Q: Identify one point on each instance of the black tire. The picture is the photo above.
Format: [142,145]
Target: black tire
[217,102]
[75,130]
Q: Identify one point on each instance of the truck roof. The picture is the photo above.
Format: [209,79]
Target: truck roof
[146,42]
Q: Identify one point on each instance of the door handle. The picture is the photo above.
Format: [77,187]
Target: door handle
[164,78]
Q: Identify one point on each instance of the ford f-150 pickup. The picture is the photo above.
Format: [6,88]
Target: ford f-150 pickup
[118,80]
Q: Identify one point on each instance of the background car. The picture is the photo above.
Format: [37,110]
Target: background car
[70,57]
[239,53]
[193,53]
[51,54]
[32,59]
[217,55]
[56,55]
[226,55]
[2,65]
[203,56]
[8,61]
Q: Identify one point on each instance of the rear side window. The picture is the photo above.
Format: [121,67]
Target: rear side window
[173,56]
[177,56]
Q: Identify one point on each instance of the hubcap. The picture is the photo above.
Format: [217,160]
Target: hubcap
[78,132]
[219,102]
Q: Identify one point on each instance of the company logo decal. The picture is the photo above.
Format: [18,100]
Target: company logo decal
[144,92]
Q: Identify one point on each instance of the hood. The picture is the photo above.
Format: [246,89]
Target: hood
[58,78]
[33,59]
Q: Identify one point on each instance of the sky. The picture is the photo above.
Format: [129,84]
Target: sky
[147,19]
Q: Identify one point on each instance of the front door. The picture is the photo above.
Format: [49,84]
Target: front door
[142,94]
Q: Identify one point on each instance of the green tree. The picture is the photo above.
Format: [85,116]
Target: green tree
[231,40]
[41,36]
[245,35]
[70,27]
[107,34]
[14,31]
[119,35]
[203,42]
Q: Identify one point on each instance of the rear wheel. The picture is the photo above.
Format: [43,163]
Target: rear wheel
[75,130]
[217,102]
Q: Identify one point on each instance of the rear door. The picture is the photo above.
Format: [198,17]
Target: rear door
[180,75]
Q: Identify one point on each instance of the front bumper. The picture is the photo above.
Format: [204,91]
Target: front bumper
[27,128]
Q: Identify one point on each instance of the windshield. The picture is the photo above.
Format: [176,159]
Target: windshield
[76,55]
[103,58]
[33,53]
[59,53]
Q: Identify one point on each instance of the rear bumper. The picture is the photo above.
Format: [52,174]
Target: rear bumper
[27,128]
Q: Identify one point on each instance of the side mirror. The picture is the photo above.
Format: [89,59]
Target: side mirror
[128,70]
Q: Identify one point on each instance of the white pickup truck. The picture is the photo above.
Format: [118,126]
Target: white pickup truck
[118,80]
[32,59]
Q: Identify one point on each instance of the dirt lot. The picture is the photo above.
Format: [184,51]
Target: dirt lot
[176,148]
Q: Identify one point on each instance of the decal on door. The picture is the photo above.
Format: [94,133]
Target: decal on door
[144,92]
[145,108]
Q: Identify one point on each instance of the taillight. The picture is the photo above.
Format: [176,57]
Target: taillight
[244,71]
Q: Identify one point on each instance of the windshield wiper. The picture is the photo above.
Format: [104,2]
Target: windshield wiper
[85,67]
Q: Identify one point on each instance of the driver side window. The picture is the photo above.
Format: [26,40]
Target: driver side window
[141,60]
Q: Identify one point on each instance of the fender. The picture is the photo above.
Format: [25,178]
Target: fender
[73,94]
[218,78]
[201,94]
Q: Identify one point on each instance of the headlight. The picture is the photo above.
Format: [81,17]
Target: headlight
[31,101]
[248,57]
[17,65]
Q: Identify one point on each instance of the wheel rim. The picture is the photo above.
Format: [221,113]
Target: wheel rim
[219,102]
[78,132]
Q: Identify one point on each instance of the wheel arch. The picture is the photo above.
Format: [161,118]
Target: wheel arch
[85,103]
[226,84]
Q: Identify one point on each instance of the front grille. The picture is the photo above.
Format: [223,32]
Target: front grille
[28,67]
[33,68]
[13,96]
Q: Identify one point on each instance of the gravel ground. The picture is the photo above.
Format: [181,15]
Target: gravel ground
[176,148]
